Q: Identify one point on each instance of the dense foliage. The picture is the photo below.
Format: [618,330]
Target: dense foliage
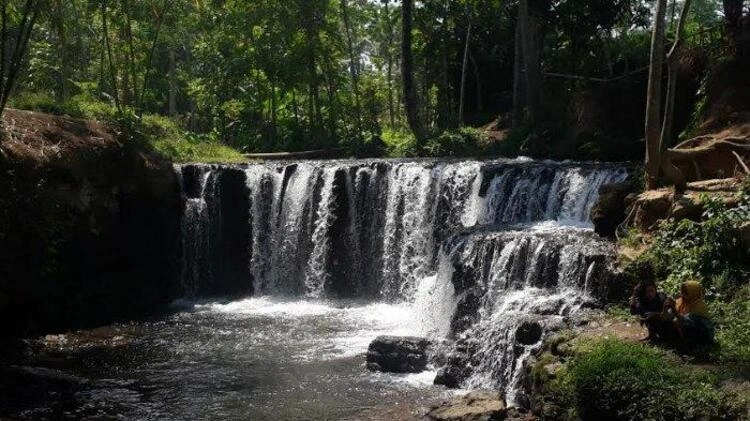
[710,250]
[302,74]
[713,251]
[612,379]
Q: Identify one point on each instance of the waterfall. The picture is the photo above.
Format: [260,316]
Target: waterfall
[482,248]
[510,278]
[198,219]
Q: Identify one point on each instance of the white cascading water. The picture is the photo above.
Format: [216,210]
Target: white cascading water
[397,231]
[527,275]
[196,230]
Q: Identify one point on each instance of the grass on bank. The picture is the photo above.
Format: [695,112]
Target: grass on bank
[158,133]
[614,379]
[463,142]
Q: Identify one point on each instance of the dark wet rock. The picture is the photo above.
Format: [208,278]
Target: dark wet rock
[517,414]
[609,210]
[231,242]
[480,405]
[397,354]
[466,312]
[451,376]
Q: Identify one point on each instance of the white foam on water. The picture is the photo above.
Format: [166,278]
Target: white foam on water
[343,330]
[268,306]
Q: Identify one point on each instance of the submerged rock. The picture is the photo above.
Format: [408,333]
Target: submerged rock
[480,405]
[397,354]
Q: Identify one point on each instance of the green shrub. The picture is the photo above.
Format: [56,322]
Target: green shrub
[732,321]
[613,379]
[400,143]
[467,141]
[709,250]
[45,103]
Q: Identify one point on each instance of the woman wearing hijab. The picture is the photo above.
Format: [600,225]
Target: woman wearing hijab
[691,317]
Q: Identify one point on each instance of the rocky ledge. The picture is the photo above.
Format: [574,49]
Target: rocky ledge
[479,405]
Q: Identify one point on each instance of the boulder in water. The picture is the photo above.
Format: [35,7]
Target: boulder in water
[451,376]
[480,405]
[397,354]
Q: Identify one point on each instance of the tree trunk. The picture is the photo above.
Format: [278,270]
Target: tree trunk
[673,173]
[172,83]
[273,111]
[9,70]
[528,20]
[353,64]
[130,85]
[477,77]
[667,127]
[733,22]
[389,66]
[445,99]
[150,58]
[295,107]
[59,23]
[108,46]
[653,98]
[391,110]
[518,102]
[464,66]
[311,37]
[411,104]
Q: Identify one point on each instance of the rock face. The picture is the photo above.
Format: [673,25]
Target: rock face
[89,225]
[609,210]
[480,405]
[395,354]
[652,206]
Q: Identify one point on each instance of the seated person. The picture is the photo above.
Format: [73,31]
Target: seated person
[691,319]
[648,303]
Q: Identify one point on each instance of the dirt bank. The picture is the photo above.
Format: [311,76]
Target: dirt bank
[89,225]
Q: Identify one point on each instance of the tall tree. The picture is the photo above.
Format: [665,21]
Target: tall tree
[353,62]
[733,23]
[14,41]
[411,103]
[653,98]
[528,19]
[672,57]
[518,100]
[464,71]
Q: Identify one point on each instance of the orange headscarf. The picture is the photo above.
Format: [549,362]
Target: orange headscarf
[692,301]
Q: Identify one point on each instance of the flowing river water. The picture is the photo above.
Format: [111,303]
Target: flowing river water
[331,254]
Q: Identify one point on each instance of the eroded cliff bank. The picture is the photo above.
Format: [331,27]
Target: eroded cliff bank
[89,225]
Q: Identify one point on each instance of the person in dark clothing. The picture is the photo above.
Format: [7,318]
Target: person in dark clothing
[648,303]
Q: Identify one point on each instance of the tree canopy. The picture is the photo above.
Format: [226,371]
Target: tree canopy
[306,74]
